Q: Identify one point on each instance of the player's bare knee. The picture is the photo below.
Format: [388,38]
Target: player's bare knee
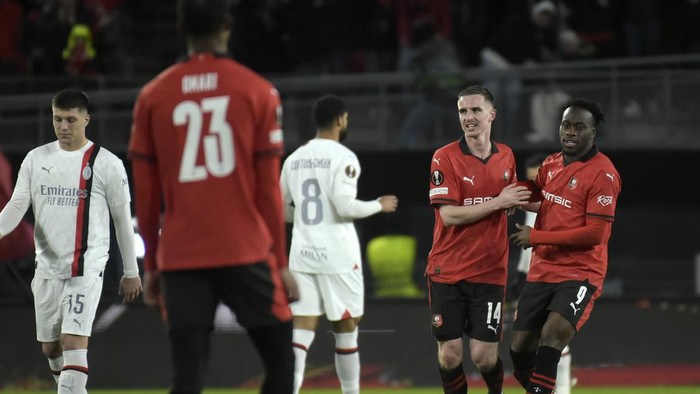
[51,349]
[450,353]
[73,342]
[483,355]
[347,325]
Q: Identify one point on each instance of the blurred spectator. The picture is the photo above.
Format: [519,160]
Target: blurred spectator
[413,13]
[11,58]
[49,27]
[640,24]
[255,37]
[439,78]
[308,34]
[113,38]
[594,23]
[520,40]
[79,53]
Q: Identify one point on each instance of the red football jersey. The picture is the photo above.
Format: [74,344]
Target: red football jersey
[204,121]
[477,251]
[571,194]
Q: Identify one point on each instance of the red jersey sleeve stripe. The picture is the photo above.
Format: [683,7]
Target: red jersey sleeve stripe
[443,201]
[597,215]
[82,222]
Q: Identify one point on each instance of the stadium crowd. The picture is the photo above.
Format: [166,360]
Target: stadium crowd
[89,37]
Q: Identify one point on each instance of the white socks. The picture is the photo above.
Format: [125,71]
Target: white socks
[74,375]
[563,385]
[347,362]
[301,342]
[56,365]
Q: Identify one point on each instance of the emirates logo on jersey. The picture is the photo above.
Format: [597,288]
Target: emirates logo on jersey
[350,171]
[87,172]
[437,320]
[573,182]
[436,178]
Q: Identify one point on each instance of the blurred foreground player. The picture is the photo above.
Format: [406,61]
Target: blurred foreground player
[207,140]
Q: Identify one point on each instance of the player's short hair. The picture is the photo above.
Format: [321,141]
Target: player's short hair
[69,99]
[589,105]
[535,160]
[327,109]
[201,18]
[480,90]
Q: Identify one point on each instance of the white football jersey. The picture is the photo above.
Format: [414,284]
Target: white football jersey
[315,179]
[70,196]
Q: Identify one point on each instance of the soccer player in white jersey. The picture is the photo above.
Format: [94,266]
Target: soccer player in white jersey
[564,378]
[319,189]
[73,186]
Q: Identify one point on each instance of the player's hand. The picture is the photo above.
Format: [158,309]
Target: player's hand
[389,203]
[514,196]
[130,288]
[151,293]
[290,284]
[521,238]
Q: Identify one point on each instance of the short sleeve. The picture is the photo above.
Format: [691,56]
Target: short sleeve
[602,197]
[443,188]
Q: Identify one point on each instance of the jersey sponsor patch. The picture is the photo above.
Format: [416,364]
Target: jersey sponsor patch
[350,171]
[605,200]
[276,136]
[437,178]
[438,191]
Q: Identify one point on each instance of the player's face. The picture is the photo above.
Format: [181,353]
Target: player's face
[475,115]
[576,132]
[69,125]
[343,127]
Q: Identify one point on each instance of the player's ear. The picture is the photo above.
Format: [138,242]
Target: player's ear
[87,119]
[493,114]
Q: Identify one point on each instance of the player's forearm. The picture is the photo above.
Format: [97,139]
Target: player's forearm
[11,215]
[147,202]
[349,207]
[453,215]
[595,232]
[124,231]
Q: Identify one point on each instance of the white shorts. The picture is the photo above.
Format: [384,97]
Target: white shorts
[65,306]
[338,296]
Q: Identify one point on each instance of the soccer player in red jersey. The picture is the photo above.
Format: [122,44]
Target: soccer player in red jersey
[578,190]
[472,186]
[207,139]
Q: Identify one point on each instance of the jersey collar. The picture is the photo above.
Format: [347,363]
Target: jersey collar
[465,149]
[591,152]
